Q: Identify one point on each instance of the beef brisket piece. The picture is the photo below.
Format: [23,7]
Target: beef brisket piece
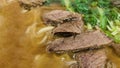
[57,17]
[28,4]
[90,40]
[116,48]
[91,59]
[69,29]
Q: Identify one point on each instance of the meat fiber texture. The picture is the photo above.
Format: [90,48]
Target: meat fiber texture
[91,59]
[56,17]
[90,40]
[66,23]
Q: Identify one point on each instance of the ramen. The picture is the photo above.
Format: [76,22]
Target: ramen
[23,39]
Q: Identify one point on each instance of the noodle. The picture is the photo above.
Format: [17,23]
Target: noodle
[45,29]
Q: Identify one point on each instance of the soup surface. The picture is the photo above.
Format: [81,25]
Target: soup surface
[21,43]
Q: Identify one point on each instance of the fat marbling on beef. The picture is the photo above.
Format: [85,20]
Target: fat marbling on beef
[89,40]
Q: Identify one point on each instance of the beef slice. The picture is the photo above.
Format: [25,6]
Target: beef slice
[57,17]
[69,29]
[91,59]
[90,40]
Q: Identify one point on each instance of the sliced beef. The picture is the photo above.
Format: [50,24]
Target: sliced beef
[91,59]
[28,4]
[67,23]
[69,29]
[90,40]
[116,48]
[57,17]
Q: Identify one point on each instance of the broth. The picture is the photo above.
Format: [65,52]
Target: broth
[19,48]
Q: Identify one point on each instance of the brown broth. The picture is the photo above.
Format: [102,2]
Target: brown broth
[21,50]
